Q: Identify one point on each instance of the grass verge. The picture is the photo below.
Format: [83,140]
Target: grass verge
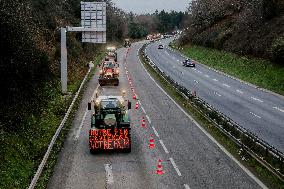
[259,72]
[21,152]
[51,162]
[254,166]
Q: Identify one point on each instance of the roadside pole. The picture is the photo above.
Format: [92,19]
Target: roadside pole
[63,61]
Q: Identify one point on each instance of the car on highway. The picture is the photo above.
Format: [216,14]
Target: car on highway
[161,47]
[188,63]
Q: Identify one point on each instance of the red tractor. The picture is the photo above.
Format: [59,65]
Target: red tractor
[109,73]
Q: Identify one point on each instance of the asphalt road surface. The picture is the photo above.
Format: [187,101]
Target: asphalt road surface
[258,111]
[190,159]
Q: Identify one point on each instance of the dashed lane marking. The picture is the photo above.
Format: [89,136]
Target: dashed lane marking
[175,166]
[148,118]
[143,109]
[81,126]
[255,115]
[164,147]
[256,99]
[215,80]
[109,175]
[239,91]
[199,71]
[186,186]
[196,81]
[281,110]
[226,85]
[156,132]
[207,76]
[261,184]
[218,94]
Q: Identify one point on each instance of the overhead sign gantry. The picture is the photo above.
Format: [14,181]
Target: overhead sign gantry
[93,28]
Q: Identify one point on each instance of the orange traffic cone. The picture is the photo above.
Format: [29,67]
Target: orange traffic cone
[143,124]
[136,106]
[152,142]
[159,170]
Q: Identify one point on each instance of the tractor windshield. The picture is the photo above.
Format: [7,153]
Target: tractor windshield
[109,64]
[110,104]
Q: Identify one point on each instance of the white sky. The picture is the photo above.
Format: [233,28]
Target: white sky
[149,6]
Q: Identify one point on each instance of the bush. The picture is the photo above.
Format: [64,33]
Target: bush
[277,50]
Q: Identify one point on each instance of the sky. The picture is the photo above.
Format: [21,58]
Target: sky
[149,6]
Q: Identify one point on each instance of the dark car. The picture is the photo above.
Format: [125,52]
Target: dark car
[188,63]
[161,47]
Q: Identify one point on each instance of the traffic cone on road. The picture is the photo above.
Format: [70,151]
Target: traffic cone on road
[134,97]
[143,124]
[152,142]
[159,170]
[136,106]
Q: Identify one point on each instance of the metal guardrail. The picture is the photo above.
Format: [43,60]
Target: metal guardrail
[55,136]
[263,152]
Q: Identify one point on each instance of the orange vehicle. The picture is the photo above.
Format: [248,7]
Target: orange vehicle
[109,73]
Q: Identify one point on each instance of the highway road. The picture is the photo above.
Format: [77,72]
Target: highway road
[258,111]
[190,158]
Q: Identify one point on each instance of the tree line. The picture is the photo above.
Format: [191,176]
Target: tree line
[244,27]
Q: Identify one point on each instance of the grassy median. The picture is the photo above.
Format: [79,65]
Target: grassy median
[259,72]
[255,167]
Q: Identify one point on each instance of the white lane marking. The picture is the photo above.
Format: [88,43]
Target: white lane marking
[175,166]
[81,125]
[281,110]
[148,118]
[226,85]
[143,109]
[239,91]
[178,60]
[84,117]
[261,184]
[186,186]
[256,99]
[207,76]
[218,94]
[255,115]
[194,69]
[155,131]
[199,71]
[196,81]
[215,80]
[139,102]
[95,91]
[167,53]
[163,145]
[54,138]
[109,175]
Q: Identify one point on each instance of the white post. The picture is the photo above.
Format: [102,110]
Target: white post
[63,61]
